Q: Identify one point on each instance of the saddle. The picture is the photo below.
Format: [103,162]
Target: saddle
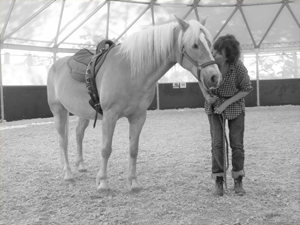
[84,66]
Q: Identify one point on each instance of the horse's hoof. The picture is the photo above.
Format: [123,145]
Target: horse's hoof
[69,180]
[81,167]
[135,186]
[136,189]
[103,187]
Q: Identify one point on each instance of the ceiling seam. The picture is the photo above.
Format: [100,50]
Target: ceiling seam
[29,19]
[292,13]
[269,28]
[7,20]
[248,27]
[229,18]
[134,21]
[59,23]
[80,24]
[188,13]
[195,4]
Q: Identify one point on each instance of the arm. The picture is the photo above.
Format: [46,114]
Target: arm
[244,87]
[236,97]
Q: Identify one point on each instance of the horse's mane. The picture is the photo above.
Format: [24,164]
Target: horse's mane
[147,48]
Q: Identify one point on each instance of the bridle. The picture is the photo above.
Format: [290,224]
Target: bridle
[198,65]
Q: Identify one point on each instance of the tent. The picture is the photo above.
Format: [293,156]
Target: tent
[64,26]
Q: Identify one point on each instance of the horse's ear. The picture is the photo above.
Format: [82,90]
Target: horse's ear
[203,21]
[184,25]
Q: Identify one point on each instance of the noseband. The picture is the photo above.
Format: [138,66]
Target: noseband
[198,65]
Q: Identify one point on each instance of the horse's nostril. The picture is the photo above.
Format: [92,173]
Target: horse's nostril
[213,79]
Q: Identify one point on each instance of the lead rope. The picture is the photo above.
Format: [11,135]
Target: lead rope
[225,147]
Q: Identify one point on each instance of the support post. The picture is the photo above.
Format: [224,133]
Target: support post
[257,78]
[1,89]
[157,95]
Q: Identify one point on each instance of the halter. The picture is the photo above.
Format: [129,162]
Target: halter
[198,65]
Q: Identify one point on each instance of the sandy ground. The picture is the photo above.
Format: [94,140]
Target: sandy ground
[173,166]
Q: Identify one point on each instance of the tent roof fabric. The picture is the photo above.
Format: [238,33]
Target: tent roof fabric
[68,25]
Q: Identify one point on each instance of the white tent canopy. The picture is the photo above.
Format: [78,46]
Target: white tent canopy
[66,25]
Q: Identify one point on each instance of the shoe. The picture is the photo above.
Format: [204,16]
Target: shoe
[238,186]
[219,191]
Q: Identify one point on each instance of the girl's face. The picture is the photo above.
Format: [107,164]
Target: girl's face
[220,57]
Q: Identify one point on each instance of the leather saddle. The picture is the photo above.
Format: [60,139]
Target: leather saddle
[84,66]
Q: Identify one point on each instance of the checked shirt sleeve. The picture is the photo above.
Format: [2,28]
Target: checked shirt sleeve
[243,79]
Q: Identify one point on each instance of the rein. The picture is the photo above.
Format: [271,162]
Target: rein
[198,65]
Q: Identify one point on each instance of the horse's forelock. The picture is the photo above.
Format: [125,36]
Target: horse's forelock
[192,34]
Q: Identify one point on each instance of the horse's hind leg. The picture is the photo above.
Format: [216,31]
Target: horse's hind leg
[135,128]
[82,125]
[61,121]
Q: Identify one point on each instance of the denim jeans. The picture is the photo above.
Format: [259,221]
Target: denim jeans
[236,140]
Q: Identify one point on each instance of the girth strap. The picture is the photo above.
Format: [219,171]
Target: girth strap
[90,77]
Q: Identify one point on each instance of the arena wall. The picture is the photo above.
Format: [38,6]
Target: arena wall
[28,102]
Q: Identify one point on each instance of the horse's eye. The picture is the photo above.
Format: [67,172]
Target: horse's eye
[195,46]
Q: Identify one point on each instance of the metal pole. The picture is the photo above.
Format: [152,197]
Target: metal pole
[257,78]
[107,19]
[7,19]
[1,89]
[153,23]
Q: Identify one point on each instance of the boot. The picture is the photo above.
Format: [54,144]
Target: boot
[219,187]
[238,186]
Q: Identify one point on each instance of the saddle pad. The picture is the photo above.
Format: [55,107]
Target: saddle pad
[78,64]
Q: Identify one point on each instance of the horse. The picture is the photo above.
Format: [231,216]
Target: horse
[126,84]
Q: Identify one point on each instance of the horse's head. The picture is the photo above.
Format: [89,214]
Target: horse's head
[194,53]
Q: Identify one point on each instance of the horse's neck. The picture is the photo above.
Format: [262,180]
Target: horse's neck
[150,79]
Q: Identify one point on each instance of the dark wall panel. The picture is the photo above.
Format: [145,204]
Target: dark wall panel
[251,98]
[191,96]
[154,102]
[279,92]
[28,102]
[174,98]
[25,102]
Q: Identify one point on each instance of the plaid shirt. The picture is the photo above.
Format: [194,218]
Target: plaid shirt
[236,80]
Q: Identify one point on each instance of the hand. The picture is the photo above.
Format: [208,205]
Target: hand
[220,109]
[211,99]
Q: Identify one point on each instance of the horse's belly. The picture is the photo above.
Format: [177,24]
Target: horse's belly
[74,97]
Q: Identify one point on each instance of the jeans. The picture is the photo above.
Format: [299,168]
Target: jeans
[236,140]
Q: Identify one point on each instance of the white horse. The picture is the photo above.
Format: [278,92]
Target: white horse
[126,85]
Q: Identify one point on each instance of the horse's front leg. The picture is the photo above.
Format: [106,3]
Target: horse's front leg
[108,127]
[136,125]
[82,125]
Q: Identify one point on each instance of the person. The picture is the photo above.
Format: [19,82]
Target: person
[228,101]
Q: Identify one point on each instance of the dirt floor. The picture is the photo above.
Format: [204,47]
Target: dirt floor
[173,166]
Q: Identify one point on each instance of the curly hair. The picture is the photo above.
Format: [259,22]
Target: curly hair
[230,45]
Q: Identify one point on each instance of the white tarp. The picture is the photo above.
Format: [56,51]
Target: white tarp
[265,24]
